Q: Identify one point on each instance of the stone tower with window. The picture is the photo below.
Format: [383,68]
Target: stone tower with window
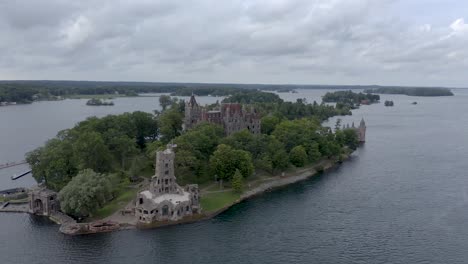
[165,200]
[164,180]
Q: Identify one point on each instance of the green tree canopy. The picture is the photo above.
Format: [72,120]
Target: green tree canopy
[91,152]
[297,132]
[269,123]
[298,156]
[170,124]
[226,160]
[165,101]
[237,182]
[85,193]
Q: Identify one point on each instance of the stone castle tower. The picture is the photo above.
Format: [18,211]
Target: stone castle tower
[164,180]
[165,200]
[193,113]
[362,131]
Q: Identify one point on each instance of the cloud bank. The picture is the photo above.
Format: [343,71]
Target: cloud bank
[384,42]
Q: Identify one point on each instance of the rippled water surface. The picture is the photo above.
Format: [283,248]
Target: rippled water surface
[402,198]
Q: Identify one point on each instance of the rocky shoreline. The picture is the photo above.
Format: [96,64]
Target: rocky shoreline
[70,227]
[259,190]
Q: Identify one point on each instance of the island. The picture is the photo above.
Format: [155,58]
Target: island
[20,92]
[186,163]
[412,91]
[99,102]
[350,99]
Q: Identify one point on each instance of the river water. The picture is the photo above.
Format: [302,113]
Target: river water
[402,198]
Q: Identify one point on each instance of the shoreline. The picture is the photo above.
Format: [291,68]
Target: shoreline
[69,227]
[257,191]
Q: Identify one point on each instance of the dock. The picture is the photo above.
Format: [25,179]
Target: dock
[12,164]
[15,177]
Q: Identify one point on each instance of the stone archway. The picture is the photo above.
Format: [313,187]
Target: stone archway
[38,206]
[165,210]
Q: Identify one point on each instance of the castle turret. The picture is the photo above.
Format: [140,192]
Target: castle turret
[193,113]
[164,180]
[362,131]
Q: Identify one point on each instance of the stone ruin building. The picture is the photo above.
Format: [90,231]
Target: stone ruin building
[166,200]
[43,201]
[232,116]
[360,130]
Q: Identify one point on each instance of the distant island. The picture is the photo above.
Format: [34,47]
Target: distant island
[99,102]
[350,99]
[412,91]
[21,91]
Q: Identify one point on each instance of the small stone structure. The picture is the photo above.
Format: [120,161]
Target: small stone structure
[166,200]
[232,116]
[43,201]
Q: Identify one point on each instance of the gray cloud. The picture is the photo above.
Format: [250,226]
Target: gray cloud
[266,41]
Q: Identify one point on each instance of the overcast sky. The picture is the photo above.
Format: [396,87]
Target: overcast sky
[387,42]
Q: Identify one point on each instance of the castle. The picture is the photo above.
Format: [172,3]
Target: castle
[232,116]
[166,200]
[360,130]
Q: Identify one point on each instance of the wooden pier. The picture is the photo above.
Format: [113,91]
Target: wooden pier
[12,164]
[15,177]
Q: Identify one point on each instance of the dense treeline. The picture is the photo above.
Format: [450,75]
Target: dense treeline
[27,91]
[422,91]
[350,99]
[19,95]
[249,97]
[108,152]
[108,144]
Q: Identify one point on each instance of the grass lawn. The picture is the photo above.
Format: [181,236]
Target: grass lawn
[122,199]
[215,201]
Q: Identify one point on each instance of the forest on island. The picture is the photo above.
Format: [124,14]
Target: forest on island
[97,160]
[412,91]
[350,99]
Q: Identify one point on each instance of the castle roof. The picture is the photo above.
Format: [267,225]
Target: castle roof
[231,108]
[170,197]
[192,101]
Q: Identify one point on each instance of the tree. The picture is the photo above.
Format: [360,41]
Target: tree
[165,101]
[237,182]
[170,124]
[298,156]
[91,152]
[297,132]
[338,125]
[187,166]
[226,160]
[138,162]
[123,147]
[313,151]
[146,126]
[53,163]
[269,123]
[85,193]
[351,138]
